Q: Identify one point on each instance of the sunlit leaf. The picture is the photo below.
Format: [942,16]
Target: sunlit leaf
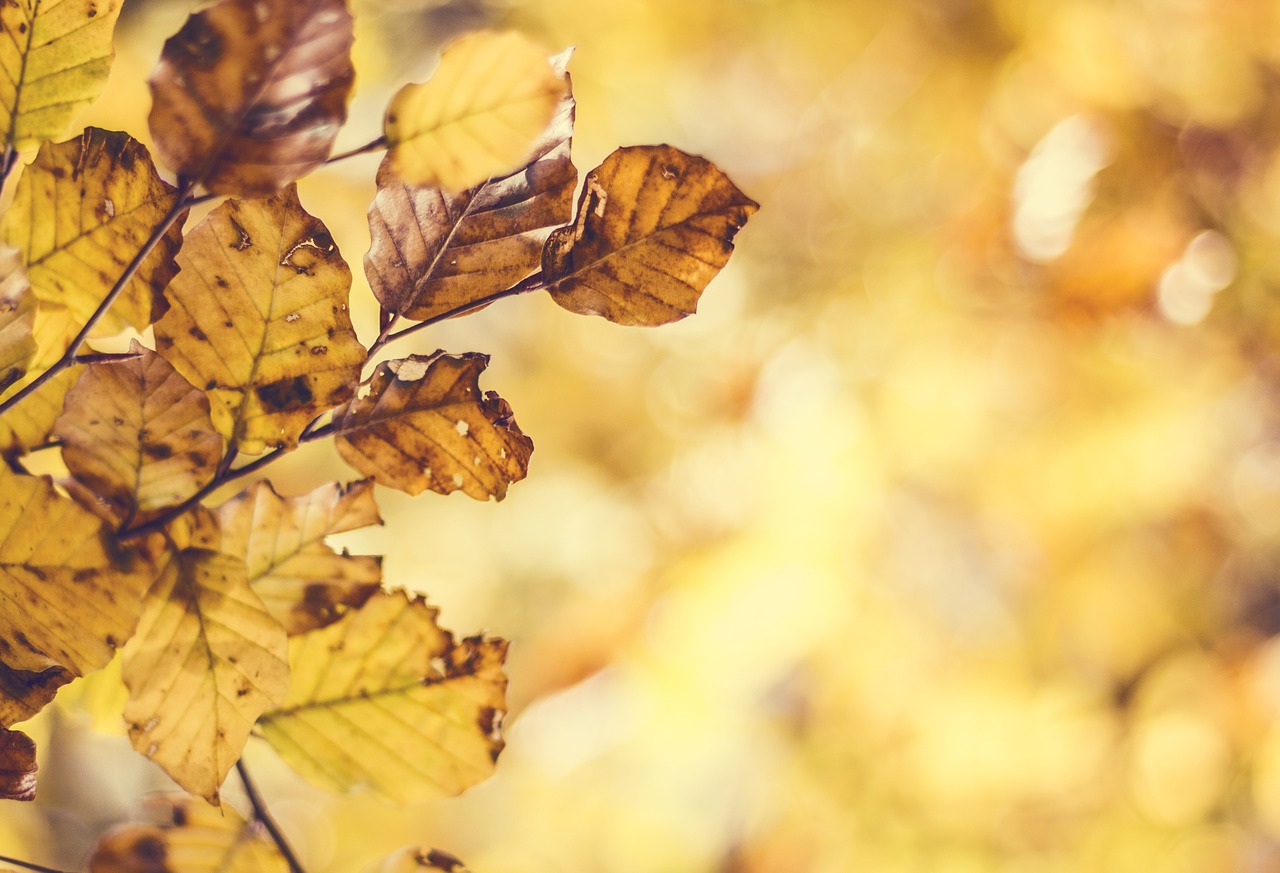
[138,435]
[55,61]
[207,659]
[654,226]
[17,318]
[479,114]
[17,766]
[259,320]
[386,699]
[303,582]
[187,836]
[68,597]
[249,94]
[81,212]
[434,252]
[30,422]
[416,860]
[426,424]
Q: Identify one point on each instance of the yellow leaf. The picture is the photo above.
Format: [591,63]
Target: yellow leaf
[17,318]
[138,435]
[68,597]
[29,423]
[478,115]
[654,226]
[425,424]
[259,320]
[249,94]
[186,836]
[207,660]
[17,766]
[81,212]
[386,699]
[303,582]
[55,62]
[417,860]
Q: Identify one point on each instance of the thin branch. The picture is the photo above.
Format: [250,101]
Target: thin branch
[29,866]
[372,146]
[261,814]
[7,162]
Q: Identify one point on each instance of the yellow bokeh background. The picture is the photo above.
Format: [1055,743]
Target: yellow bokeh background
[945,537]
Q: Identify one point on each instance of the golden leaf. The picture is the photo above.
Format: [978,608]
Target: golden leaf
[386,699]
[29,423]
[138,435]
[303,582]
[417,860]
[207,660]
[433,252]
[17,318]
[478,115]
[186,836]
[654,226]
[249,94]
[425,424]
[55,62]
[17,766]
[67,596]
[259,320]
[80,213]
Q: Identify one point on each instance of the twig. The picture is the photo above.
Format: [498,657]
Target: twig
[28,865]
[261,814]
[7,162]
[372,146]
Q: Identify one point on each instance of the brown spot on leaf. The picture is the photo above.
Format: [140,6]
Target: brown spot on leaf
[285,394]
[157,451]
[198,43]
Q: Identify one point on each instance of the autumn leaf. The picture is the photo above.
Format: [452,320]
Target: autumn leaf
[29,423]
[478,115]
[185,836]
[303,582]
[138,435]
[23,693]
[418,860]
[425,424]
[259,320]
[250,94]
[17,317]
[654,226]
[434,252]
[17,766]
[81,211]
[207,660]
[68,596]
[386,699]
[55,62]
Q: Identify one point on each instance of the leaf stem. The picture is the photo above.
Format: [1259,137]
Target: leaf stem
[261,814]
[7,162]
[29,866]
[371,146]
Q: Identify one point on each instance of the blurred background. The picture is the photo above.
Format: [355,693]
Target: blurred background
[944,538]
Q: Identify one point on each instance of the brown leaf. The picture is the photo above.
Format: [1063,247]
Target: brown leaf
[425,424]
[139,435]
[23,693]
[259,320]
[654,226]
[303,582]
[17,766]
[249,94]
[434,252]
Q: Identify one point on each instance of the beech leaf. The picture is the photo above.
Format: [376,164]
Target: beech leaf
[68,595]
[138,435]
[417,860]
[654,226]
[55,62]
[29,423]
[250,94]
[433,252]
[186,836]
[17,766]
[426,424]
[81,211]
[207,660]
[17,318]
[386,699]
[23,693]
[303,582]
[477,116]
[259,320]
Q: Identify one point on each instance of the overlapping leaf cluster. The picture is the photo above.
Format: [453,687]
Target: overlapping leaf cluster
[239,618]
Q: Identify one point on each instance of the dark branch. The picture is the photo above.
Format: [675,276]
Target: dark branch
[261,814]
[39,868]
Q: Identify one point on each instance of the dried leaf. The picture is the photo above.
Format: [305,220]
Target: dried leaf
[416,860]
[138,435]
[259,320]
[303,582]
[187,837]
[55,62]
[386,699]
[249,94]
[207,660]
[478,115]
[425,424]
[29,423]
[654,226]
[433,252]
[17,766]
[80,213]
[24,693]
[17,316]
[68,597]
